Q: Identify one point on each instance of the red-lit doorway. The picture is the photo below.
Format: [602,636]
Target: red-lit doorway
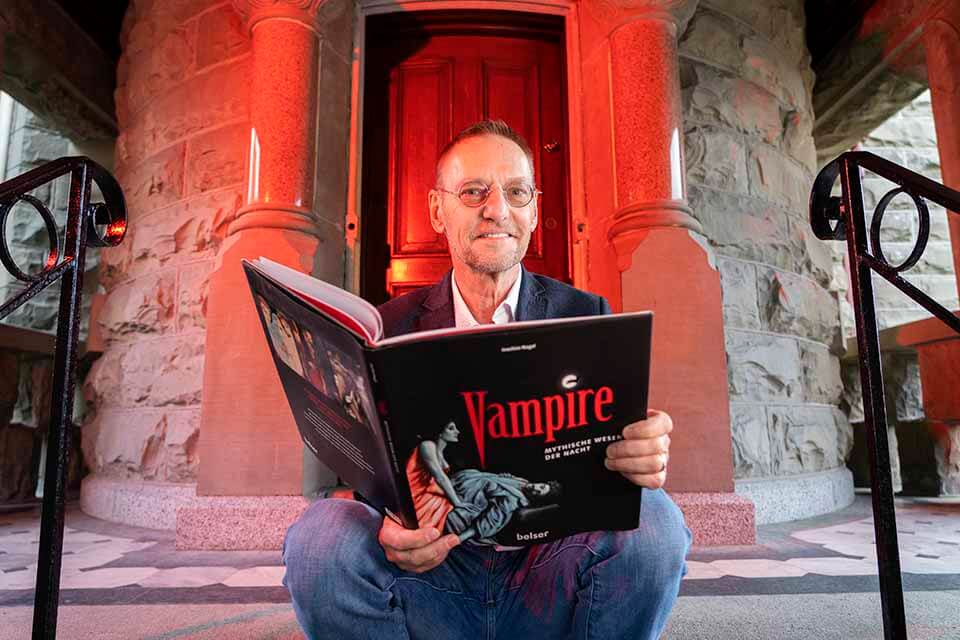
[427,76]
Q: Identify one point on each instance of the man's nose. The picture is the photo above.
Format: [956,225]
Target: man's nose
[496,207]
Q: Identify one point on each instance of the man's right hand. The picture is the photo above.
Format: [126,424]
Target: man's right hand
[416,550]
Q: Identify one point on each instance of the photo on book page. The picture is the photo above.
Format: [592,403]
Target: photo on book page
[323,376]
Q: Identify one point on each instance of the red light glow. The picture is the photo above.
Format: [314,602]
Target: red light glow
[116,230]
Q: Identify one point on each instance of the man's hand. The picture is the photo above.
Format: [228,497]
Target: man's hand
[643,453]
[416,550]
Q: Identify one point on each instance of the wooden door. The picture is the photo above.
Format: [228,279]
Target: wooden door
[422,88]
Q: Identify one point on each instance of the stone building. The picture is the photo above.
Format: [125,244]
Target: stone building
[677,142]
[920,463]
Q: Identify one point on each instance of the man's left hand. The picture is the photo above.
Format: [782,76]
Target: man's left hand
[643,453]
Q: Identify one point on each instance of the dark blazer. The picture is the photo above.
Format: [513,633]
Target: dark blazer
[540,298]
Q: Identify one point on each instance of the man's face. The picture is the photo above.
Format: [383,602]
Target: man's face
[493,237]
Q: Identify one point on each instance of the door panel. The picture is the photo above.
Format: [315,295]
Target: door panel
[432,86]
[420,97]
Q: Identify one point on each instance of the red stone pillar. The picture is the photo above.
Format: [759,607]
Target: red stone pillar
[937,345]
[249,444]
[942,42]
[665,266]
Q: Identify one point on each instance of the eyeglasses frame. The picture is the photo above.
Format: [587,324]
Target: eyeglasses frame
[536,192]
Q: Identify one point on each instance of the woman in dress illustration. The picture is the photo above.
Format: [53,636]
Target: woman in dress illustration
[490,502]
[430,485]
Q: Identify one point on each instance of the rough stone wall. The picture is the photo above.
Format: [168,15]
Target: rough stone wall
[25,378]
[33,142]
[909,139]
[746,82]
[182,107]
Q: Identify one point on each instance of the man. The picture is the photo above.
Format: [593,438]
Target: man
[353,574]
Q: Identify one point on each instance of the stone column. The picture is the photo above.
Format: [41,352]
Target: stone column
[249,444]
[937,345]
[664,265]
[942,42]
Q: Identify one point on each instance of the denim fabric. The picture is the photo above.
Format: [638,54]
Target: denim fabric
[593,586]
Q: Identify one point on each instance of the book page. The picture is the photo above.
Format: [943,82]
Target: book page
[452,332]
[323,370]
[327,297]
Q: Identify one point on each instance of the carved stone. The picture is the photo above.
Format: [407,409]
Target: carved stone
[54,68]
[305,11]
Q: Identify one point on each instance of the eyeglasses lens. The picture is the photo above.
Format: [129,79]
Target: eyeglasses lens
[516,195]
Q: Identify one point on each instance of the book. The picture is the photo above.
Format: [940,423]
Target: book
[497,433]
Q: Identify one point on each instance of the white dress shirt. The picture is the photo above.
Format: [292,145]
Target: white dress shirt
[504,313]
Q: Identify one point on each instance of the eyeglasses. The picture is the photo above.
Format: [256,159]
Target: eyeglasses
[475,194]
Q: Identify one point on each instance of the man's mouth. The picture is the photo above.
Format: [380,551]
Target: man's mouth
[494,234]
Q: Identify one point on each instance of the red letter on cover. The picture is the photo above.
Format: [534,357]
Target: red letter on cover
[604,396]
[476,418]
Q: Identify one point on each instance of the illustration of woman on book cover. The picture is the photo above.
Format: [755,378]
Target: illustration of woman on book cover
[476,505]
[492,502]
[430,486]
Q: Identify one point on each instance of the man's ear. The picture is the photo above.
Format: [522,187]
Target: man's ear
[433,200]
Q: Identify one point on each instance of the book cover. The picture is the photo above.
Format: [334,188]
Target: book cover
[498,434]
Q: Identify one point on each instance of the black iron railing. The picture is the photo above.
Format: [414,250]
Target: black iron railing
[842,218]
[88,224]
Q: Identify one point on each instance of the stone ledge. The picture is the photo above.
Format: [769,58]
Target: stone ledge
[201,522]
[139,503]
[260,522]
[237,522]
[801,496]
[718,518]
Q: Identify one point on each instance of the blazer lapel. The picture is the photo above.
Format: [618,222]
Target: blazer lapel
[532,304]
[437,307]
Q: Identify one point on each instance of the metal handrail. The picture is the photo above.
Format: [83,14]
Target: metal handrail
[843,218]
[88,224]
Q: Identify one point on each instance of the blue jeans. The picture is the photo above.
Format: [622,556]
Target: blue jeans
[592,586]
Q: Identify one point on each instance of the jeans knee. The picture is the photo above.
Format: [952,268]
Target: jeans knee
[661,542]
[330,538]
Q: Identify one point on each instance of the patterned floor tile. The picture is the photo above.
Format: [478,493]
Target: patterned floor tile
[757,568]
[702,571]
[25,579]
[257,577]
[187,577]
[105,578]
[835,566]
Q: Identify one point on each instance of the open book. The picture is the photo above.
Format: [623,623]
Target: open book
[497,433]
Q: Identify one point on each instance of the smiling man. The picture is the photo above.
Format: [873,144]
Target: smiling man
[353,574]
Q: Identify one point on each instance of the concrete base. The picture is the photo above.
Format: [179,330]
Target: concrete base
[201,522]
[717,518]
[801,496]
[237,522]
[135,502]
[259,522]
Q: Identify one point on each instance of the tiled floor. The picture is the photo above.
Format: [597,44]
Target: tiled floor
[928,536]
[106,561]
[99,555]
[109,567]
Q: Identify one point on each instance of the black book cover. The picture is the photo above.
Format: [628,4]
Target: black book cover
[498,435]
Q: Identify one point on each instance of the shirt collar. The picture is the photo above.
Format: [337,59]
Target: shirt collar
[504,313]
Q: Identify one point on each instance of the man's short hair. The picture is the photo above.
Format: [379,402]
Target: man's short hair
[487,128]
